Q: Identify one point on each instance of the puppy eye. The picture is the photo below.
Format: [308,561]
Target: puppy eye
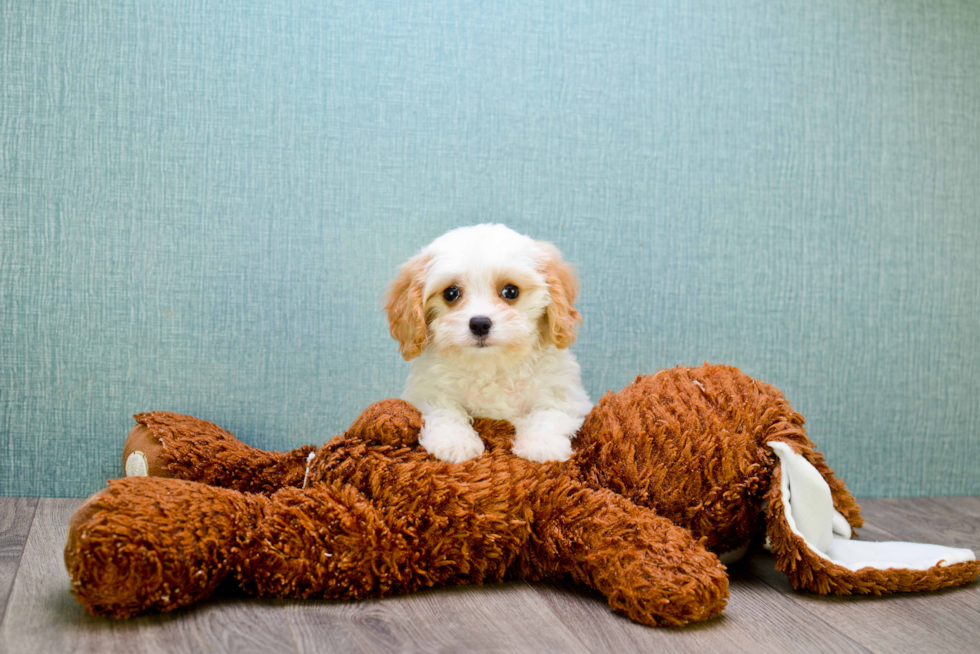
[451,294]
[510,292]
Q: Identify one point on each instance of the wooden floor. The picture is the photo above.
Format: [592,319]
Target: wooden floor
[764,614]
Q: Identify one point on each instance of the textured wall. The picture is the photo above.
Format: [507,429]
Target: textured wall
[201,203]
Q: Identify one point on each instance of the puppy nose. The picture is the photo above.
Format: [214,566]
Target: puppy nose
[480,325]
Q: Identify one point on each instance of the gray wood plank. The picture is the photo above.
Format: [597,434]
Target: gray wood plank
[42,616]
[943,621]
[509,617]
[757,619]
[966,504]
[944,521]
[16,514]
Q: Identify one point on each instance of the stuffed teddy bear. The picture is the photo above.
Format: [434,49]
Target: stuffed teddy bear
[670,473]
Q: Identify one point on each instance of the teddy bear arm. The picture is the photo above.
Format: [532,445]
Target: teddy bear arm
[181,447]
[149,544]
[391,422]
[648,568]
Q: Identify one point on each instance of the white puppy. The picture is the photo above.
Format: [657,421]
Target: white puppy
[485,316]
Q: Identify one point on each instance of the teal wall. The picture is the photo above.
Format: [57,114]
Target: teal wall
[202,202]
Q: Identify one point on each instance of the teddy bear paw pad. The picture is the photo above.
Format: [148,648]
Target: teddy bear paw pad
[136,465]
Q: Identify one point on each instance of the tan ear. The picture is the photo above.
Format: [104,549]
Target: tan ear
[562,317]
[406,315]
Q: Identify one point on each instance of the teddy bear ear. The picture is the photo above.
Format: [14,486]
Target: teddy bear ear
[404,306]
[812,542]
[561,317]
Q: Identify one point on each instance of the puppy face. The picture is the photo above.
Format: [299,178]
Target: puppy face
[483,291]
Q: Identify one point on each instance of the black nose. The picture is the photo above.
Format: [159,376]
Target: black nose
[480,325]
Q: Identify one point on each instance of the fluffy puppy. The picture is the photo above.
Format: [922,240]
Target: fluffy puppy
[485,315]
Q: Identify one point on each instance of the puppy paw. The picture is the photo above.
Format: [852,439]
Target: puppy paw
[543,447]
[545,435]
[450,441]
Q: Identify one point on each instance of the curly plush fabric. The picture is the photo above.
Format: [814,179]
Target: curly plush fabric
[669,470]
[690,443]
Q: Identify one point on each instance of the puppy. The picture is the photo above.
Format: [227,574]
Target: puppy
[486,315]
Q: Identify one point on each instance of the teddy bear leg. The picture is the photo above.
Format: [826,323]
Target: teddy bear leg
[146,544]
[650,569]
[176,446]
[331,541]
[143,454]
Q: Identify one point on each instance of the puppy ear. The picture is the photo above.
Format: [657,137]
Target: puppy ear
[562,318]
[404,306]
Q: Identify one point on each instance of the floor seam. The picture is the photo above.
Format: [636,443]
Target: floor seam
[544,602]
[20,560]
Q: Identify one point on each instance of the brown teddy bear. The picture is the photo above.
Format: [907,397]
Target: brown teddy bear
[669,473]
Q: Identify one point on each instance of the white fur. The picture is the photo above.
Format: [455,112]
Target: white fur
[516,373]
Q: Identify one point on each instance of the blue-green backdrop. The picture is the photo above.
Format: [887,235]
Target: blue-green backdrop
[202,202]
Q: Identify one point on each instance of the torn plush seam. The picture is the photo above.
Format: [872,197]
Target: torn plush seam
[309,463]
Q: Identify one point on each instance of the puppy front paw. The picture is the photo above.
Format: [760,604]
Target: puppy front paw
[545,435]
[452,442]
[543,447]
